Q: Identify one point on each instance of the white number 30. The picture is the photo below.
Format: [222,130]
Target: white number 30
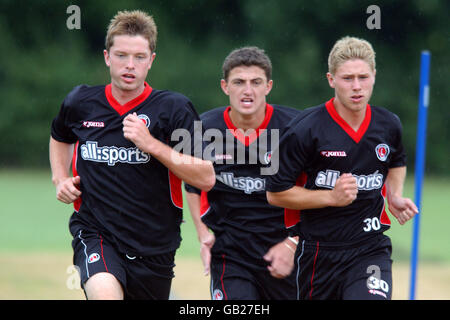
[372,224]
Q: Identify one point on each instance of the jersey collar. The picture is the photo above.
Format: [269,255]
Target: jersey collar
[355,135]
[238,134]
[122,109]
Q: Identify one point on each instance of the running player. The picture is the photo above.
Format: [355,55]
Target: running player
[353,158]
[126,184]
[245,227]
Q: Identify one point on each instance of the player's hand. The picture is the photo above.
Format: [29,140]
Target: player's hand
[206,243]
[67,189]
[135,130]
[402,208]
[345,190]
[281,259]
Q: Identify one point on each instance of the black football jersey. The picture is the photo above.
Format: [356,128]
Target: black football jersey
[236,209]
[127,195]
[323,146]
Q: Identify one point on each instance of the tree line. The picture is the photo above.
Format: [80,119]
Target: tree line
[42,59]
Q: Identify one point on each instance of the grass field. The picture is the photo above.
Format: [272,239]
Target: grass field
[35,250]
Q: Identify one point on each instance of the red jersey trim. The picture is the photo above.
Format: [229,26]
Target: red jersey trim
[77,202]
[101,249]
[292,216]
[176,193]
[355,135]
[237,133]
[204,203]
[314,270]
[221,278]
[384,218]
[122,109]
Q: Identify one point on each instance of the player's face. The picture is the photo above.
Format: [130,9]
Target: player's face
[353,84]
[247,87]
[129,60]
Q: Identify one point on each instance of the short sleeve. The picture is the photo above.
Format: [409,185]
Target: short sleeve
[61,124]
[187,132]
[291,154]
[398,158]
[192,189]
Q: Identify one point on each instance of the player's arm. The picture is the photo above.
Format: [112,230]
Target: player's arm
[299,198]
[401,208]
[194,171]
[60,160]
[205,237]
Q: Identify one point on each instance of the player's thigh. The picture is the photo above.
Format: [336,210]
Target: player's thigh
[371,279]
[95,255]
[231,281]
[150,278]
[234,288]
[277,289]
[103,286]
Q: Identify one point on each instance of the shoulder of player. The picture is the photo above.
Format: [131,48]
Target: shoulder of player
[171,97]
[383,113]
[308,118]
[213,113]
[173,104]
[212,118]
[81,93]
[284,111]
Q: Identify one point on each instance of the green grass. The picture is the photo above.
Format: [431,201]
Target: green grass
[32,220]
[31,217]
[434,235]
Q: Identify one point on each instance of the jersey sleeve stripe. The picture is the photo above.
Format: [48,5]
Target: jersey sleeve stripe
[77,202]
[175,190]
[384,218]
[204,204]
[291,216]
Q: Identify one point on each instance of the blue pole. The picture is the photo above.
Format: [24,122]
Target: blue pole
[424,91]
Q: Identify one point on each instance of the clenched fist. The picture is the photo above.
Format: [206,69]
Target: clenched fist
[345,190]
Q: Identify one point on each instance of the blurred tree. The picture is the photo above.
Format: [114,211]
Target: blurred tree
[41,60]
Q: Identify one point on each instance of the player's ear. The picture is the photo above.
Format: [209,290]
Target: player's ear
[330,79]
[106,55]
[224,86]
[269,86]
[152,58]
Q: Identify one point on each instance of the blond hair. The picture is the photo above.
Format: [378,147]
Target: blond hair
[349,48]
[132,23]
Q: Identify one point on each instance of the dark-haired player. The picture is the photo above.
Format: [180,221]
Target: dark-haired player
[126,184]
[248,233]
[353,158]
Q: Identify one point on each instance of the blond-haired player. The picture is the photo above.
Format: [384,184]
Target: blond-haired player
[353,157]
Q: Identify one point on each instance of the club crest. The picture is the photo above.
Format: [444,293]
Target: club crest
[145,119]
[382,151]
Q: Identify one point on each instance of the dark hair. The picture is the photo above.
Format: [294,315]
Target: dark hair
[247,56]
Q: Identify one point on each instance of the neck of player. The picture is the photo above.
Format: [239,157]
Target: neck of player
[123,96]
[245,122]
[353,116]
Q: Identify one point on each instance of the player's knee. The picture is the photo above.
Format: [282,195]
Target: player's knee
[103,286]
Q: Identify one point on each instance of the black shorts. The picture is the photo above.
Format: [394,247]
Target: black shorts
[361,271]
[148,278]
[231,280]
